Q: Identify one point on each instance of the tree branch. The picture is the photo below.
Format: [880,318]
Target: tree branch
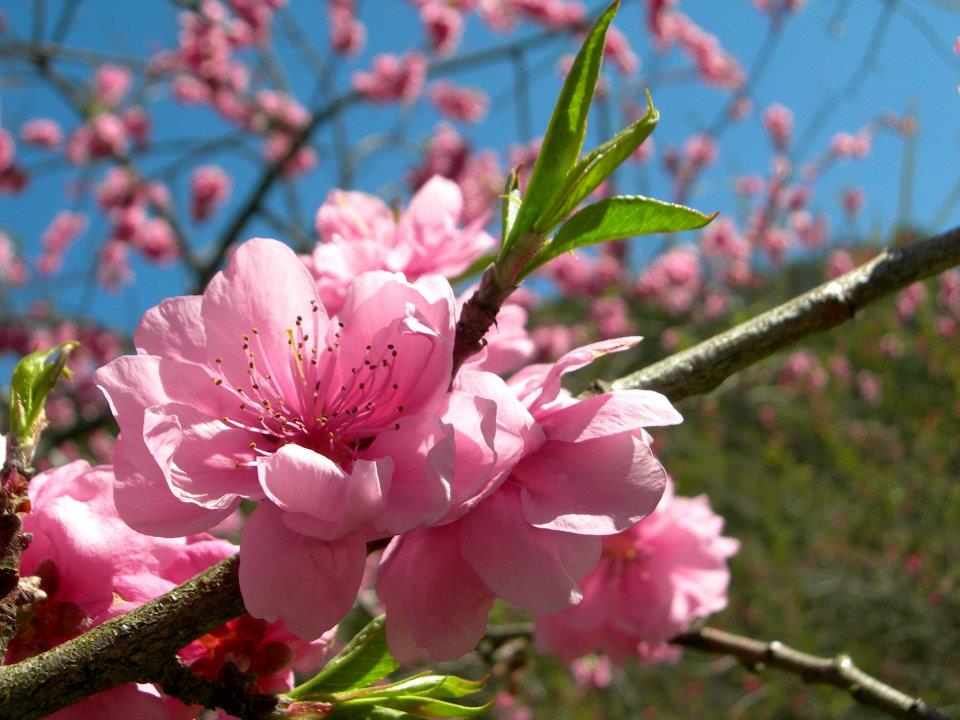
[226,693]
[704,366]
[838,671]
[135,647]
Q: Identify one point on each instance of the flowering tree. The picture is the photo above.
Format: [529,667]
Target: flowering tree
[323,435]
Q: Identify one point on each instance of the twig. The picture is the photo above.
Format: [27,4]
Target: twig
[227,692]
[704,366]
[838,671]
[14,504]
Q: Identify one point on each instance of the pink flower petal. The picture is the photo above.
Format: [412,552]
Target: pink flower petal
[609,414]
[260,294]
[595,487]
[335,503]
[173,329]
[574,360]
[437,607]
[309,584]
[532,568]
[422,451]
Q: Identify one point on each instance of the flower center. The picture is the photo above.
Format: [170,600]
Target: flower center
[329,408]
[242,642]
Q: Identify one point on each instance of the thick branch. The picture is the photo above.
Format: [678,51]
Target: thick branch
[838,671]
[136,647]
[704,366]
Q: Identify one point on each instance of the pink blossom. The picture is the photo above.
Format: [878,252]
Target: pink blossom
[156,239]
[870,386]
[778,120]
[57,238]
[810,231]
[721,239]
[592,671]
[554,14]
[910,299]
[774,242]
[839,262]
[508,344]
[654,580]
[948,294]
[209,188]
[672,279]
[460,103]
[347,34]
[92,567]
[478,174]
[393,78]
[8,150]
[749,184]
[111,83]
[530,532]
[803,371]
[670,27]
[12,270]
[611,317]
[42,133]
[554,340]
[137,123]
[360,233]
[845,145]
[853,200]
[251,391]
[617,50]
[444,26]
[113,267]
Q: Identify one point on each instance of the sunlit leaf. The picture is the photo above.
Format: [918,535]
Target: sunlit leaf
[618,217]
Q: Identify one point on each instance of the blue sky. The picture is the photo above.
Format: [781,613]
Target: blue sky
[913,70]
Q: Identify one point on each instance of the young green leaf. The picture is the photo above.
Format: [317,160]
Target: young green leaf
[444,687]
[601,162]
[368,712]
[565,133]
[34,376]
[418,705]
[510,205]
[363,661]
[615,218]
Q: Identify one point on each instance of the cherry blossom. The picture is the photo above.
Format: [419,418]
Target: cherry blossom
[653,580]
[566,473]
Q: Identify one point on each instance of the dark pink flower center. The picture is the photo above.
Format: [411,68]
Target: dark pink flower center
[337,422]
[242,642]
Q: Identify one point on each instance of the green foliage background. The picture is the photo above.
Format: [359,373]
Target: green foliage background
[849,515]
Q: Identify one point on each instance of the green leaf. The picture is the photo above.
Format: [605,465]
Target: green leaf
[363,661]
[369,712]
[601,162]
[565,134]
[445,687]
[34,376]
[615,218]
[419,706]
[510,205]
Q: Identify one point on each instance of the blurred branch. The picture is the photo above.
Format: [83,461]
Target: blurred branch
[50,51]
[850,89]
[704,366]
[758,655]
[838,671]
